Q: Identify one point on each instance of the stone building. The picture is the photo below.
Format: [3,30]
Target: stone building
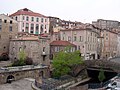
[35,47]
[57,46]
[8,30]
[31,22]
[110,43]
[106,24]
[84,38]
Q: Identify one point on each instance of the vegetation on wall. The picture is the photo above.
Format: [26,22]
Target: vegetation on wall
[23,60]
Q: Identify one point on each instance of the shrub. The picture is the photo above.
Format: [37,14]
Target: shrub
[28,61]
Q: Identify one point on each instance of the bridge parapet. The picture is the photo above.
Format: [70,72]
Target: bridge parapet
[104,64]
[23,72]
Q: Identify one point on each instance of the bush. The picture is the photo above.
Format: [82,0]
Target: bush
[28,61]
[18,63]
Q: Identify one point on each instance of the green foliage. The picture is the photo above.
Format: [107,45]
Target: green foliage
[21,61]
[63,61]
[101,75]
[22,55]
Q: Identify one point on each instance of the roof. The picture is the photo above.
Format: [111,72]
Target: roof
[61,43]
[26,11]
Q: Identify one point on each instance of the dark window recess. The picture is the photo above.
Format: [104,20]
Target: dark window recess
[31,31]
[43,49]
[0,20]
[10,22]
[10,28]
[4,47]
[44,57]
[5,21]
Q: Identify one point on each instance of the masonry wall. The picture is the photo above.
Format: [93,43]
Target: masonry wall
[32,73]
[6,34]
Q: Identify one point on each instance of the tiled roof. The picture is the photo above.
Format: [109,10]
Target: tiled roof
[26,11]
[62,43]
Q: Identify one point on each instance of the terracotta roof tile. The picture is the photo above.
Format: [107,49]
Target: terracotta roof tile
[62,43]
[26,11]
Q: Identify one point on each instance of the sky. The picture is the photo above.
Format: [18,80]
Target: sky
[84,11]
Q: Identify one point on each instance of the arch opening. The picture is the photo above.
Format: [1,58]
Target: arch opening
[10,78]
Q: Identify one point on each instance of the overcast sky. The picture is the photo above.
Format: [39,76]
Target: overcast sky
[84,11]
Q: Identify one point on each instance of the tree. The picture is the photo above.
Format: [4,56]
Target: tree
[101,76]
[63,61]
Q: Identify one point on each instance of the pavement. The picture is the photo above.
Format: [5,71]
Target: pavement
[23,84]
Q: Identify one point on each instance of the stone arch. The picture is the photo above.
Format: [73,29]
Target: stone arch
[10,78]
[5,56]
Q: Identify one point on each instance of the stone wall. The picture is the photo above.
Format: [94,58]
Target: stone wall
[32,73]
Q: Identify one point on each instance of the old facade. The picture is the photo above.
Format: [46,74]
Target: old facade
[84,38]
[110,43]
[31,22]
[8,30]
[35,47]
[57,46]
[106,24]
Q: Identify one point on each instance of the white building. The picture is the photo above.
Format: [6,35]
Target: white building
[31,22]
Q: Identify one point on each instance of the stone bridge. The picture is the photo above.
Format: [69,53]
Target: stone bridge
[16,73]
[105,64]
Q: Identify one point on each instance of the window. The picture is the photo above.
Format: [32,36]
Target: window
[78,47]
[27,18]
[31,32]
[45,20]
[69,38]
[10,21]
[37,29]
[41,19]
[23,18]
[43,49]
[10,28]
[23,25]
[75,38]
[41,28]
[27,27]
[45,26]
[37,19]
[91,33]
[32,19]
[0,20]
[80,38]
[106,38]
[32,26]
[0,36]
[20,48]
[16,18]
[0,27]
[22,30]
[5,21]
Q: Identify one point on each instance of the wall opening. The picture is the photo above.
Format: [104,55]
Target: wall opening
[10,78]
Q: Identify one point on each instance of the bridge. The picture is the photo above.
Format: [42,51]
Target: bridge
[7,74]
[105,64]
